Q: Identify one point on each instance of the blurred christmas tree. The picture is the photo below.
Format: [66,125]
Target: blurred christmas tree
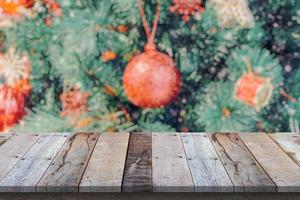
[215,65]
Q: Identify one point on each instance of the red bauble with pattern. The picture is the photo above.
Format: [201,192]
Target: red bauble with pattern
[151,79]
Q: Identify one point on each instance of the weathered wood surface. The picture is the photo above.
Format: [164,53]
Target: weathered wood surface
[5,137]
[290,143]
[138,167]
[152,162]
[171,172]
[105,170]
[66,171]
[280,167]
[208,173]
[12,151]
[29,170]
[246,174]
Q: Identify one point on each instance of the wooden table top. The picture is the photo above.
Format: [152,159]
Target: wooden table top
[153,162]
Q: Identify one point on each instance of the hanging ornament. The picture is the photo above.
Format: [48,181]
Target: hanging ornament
[11,11]
[14,67]
[253,89]
[233,12]
[15,87]
[108,56]
[74,103]
[12,104]
[151,79]
[11,7]
[186,8]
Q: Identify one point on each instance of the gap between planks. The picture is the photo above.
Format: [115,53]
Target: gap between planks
[282,169]
[10,155]
[290,144]
[66,170]
[181,156]
[24,176]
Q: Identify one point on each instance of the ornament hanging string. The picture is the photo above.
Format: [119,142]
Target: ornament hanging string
[150,35]
[248,64]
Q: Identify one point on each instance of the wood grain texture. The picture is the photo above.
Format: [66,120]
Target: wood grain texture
[280,167]
[4,137]
[28,171]
[244,171]
[290,143]
[66,171]
[116,162]
[138,167]
[105,169]
[208,173]
[12,151]
[170,169]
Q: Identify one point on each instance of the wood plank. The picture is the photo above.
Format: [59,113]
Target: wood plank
[28,171]
[280,167]
[138,168]
[170,169]
[105,169]
[4,137]
[244,171]
[66,171]
[12,151]
[208,172]
[290,143]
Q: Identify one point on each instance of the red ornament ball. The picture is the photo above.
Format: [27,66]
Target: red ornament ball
[151,79]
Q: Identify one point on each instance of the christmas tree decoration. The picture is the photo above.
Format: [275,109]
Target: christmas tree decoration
[15,71]
[254,90]
[122,28]
[74,102]
[108,56]
[12,106]
[11,7]
[151,79]
[231,13]
[257,76]
[22,87]
[187,8]
[11,11]
[14,67]
[91,41]
[218,110]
